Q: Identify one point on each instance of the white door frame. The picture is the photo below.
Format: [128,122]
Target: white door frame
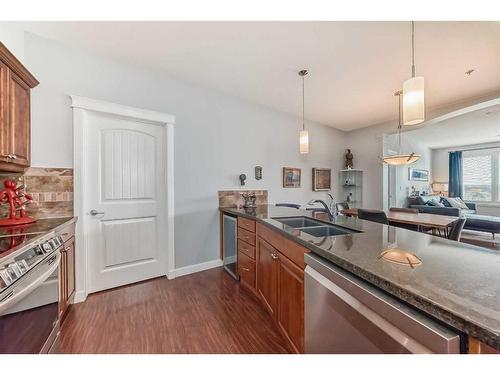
[81,107]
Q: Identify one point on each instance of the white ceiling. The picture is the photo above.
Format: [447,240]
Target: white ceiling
[482,126]
[355,67]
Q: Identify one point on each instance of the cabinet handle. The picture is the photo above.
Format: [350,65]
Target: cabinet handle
[13,156]
[245,269]
[274,256]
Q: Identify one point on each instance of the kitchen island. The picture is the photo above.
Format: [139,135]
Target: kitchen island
[455,283]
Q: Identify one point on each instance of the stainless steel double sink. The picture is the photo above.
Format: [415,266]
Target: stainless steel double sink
[315,228]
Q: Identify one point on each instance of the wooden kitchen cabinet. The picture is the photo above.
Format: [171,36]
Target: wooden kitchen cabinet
[478,347]
[280,283]
[267,275]
[15,134]
[67,280]
[272,267]
[291,303]
[246,253]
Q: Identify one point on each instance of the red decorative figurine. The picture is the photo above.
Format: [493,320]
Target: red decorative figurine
[16,198]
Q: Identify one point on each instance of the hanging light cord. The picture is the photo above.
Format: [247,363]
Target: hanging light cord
[413,72]
[303,105]
[398,93]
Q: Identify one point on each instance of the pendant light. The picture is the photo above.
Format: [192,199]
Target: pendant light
[413,91]
[304,134]
[400,158]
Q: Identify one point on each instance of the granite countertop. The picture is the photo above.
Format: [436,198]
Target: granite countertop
[457,283]
[23,235]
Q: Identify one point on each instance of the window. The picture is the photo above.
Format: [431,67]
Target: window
[481,175]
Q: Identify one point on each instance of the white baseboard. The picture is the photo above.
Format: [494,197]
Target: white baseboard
[194,268]
[80,296]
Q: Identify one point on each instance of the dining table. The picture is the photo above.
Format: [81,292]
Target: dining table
[422,221]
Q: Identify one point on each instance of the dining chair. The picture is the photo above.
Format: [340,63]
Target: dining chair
[291,205]
[456,229]
[373,215]
[401,209]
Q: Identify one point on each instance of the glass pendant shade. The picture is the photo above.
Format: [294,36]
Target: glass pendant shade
[413,101]
[304,142]
[398,157]
[401,159]
[304,134]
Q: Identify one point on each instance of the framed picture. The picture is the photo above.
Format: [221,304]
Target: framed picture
[291,177]
[418,174]
[322,179]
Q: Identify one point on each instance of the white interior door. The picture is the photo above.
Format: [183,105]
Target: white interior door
[126,205]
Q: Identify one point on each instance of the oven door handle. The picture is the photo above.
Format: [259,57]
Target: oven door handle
[23,290]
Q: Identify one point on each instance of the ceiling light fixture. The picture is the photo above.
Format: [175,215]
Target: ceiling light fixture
[304,134]
[400,158]
[413,91]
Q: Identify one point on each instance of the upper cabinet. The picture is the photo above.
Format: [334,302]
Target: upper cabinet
[15,85]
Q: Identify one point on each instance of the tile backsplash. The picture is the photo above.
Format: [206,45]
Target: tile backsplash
[51,189]
[233,198]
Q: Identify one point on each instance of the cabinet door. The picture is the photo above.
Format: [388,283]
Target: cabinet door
[291,303]
[69,247]
[267,275]
[62,284]
[19,120]
[5,135]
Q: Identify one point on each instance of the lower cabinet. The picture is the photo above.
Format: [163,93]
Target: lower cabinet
[246,270]
[267,275]
[271,266]
[67,277]
[291,303]
[280,286]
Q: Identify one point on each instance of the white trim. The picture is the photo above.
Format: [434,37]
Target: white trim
[461,111]
[169,175]
[194,268]
[120,110]
[80,107]
[80,296]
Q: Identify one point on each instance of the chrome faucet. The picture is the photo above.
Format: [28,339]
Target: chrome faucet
[327,209]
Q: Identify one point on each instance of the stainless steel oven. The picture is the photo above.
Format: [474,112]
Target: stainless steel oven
[29,297]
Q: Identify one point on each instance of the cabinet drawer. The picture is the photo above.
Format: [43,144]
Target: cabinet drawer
[288,248]
[246,249]
[246,270]
[246,236]
[246,224]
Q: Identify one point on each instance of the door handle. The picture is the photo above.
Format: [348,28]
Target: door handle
[95,212]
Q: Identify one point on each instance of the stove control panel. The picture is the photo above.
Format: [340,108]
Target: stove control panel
[14,269]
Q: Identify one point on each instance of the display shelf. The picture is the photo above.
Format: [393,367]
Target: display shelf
[351,183]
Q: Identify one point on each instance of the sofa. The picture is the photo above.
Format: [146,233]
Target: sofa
[480,223]
[422,204]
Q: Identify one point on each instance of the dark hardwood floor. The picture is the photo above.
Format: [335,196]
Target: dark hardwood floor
[206,312]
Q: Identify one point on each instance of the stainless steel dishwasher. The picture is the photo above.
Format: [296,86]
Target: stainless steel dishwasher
[229,244]
[344,314]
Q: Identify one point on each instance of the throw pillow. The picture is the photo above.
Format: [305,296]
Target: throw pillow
[433,203]
[457,203]
[445,202]
[426,198]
